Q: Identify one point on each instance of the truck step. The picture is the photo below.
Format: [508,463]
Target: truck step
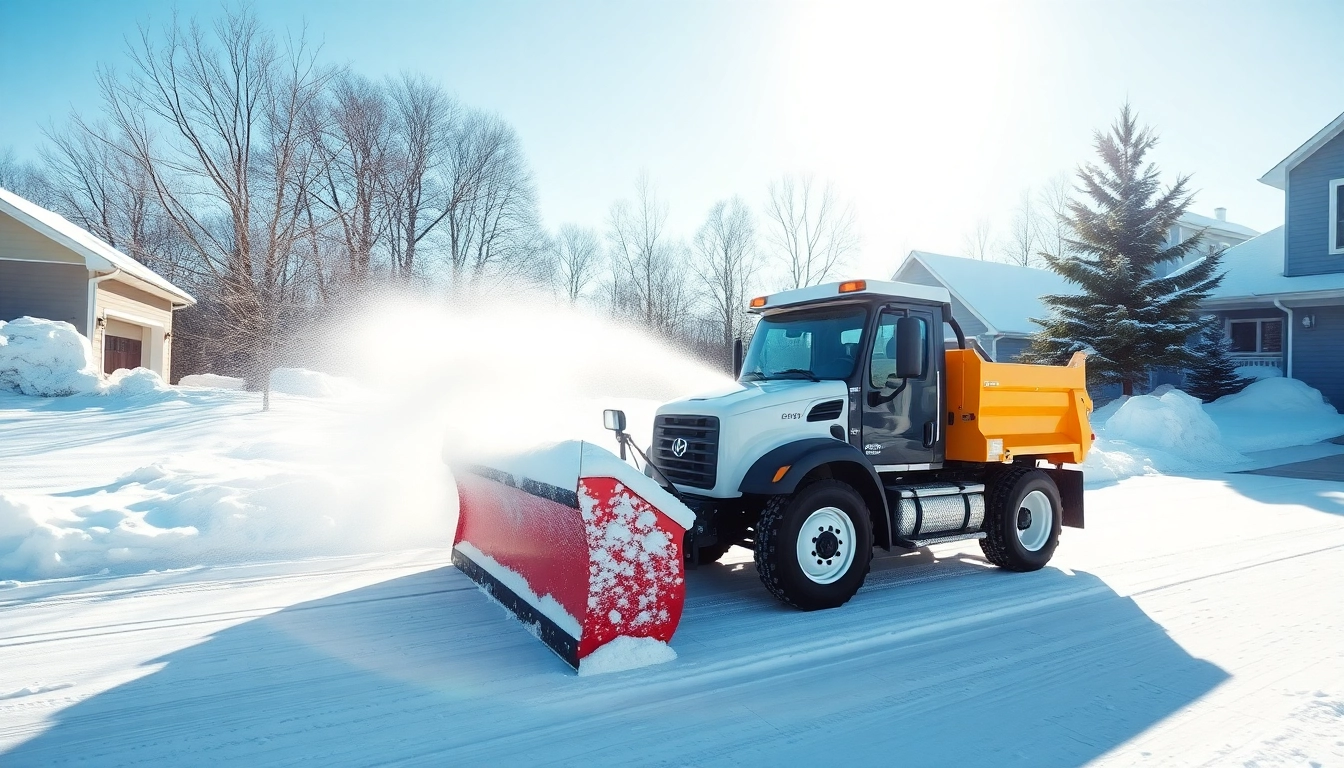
[917,543]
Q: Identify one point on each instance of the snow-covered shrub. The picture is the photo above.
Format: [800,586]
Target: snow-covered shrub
[135,382]
[211,381]
[1278,395]
[1174,423]
[46,358]
[301,381]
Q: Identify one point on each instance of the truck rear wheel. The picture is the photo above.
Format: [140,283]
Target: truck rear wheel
[1022,520]
[813,548]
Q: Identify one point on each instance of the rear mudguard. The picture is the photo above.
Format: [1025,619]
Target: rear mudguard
[582,563]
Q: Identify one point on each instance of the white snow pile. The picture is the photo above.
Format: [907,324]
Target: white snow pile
[211,381]
[1256,372]
[1274,413]
[625,653]
[1174,432]
[306,383]
[46,358]
[49,358]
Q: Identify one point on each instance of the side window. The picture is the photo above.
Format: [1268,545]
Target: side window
[883,366]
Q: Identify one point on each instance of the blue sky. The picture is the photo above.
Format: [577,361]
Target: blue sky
[928,116]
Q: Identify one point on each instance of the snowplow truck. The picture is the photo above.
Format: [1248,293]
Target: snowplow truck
[859,418]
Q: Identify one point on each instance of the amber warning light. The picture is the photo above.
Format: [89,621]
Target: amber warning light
[850,286]
[759,301]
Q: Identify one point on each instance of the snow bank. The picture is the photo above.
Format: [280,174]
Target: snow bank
[1175,433]
[211,381]
[306,383]
[1256,372]
[1175,423]
[138,382]
[46,358]
[626,653]
[1274,413]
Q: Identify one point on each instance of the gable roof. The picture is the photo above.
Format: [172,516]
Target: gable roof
[1277,176]
[98,255]
[1194,220]
[1254,274]
[1003,296]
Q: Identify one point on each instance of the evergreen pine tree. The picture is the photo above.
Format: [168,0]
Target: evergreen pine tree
[1212,372]
[1128,319]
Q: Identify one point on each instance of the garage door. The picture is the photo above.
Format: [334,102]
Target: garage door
[120,352]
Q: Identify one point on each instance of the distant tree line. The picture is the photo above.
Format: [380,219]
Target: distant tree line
[279,190]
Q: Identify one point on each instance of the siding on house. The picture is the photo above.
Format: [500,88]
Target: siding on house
[914,272]
[116,300]
[1306,238]
[20,242]
[1317,358]
[1012,347]
[51,291]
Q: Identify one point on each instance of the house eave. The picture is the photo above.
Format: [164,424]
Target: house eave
[989,327]
[1254,300]
[1277,176]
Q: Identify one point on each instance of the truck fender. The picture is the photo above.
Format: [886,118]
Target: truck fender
[803,456]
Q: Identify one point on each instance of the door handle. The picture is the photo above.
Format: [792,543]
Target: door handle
[930,431]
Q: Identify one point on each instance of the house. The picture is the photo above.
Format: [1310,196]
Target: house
[53,269]
[1282,302]
[993,302]
[1219,235]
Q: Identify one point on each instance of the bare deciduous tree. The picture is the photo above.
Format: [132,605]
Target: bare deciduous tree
[1055,232]
[647,282]
[352,133]
[423,119]
[23,179]
[215,121]
[1023,239]
[811,232]
[976,244]
[577,254]
[725,247]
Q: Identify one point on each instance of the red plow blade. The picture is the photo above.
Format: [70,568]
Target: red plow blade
[577,544]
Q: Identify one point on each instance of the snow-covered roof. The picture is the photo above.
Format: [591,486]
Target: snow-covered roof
[1278,175]
[872,287]
[1003,296]
[1254,270]
[1195,221]
[98,255]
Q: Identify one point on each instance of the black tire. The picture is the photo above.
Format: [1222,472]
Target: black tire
[777,538]
[1005,513]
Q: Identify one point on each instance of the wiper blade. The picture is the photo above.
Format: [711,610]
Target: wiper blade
[796,372]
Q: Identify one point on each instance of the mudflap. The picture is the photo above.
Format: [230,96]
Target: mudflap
[580,562]
[1070,484]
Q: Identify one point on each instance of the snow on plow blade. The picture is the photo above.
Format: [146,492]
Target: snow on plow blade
[576,543]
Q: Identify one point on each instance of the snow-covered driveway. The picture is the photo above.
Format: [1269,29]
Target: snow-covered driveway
[1195,621]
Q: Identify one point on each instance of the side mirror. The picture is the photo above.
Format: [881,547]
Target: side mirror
[737,358]
[909,348]
[614,420]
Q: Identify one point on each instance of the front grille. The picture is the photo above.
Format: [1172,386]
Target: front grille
[697,467]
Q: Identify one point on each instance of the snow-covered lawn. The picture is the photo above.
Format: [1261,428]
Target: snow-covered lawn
[187,580]
[1196,620]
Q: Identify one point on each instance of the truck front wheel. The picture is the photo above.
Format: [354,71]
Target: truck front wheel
[1022,519]
[813,548]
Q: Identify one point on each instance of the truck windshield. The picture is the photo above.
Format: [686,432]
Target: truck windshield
[807,344]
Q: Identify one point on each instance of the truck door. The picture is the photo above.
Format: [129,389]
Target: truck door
[900,417]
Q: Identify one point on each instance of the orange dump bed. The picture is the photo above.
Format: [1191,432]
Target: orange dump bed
[1000,411]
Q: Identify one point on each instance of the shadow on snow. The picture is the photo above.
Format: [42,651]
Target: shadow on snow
[949,662]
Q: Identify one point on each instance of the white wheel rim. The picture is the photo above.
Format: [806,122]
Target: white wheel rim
[828,531]
[1039,516]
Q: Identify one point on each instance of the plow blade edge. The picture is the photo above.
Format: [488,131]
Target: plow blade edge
[577,544]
